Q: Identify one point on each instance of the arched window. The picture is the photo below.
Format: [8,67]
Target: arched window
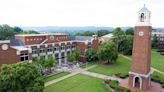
[142,17]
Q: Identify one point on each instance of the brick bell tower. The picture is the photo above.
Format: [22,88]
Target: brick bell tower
[139,76]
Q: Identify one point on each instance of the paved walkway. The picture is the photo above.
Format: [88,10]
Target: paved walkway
[154,69]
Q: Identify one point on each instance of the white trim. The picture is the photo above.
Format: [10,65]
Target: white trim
[140,79]
[143,24]
[142,75]
[5,41]
[18,52]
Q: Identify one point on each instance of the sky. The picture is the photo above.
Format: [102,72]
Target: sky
[108,13]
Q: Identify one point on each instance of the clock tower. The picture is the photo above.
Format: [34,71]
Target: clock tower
[139,75]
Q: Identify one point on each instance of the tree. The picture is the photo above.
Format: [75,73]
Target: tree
[77,54]
[74,56]
[85,33]
[29,32]
[17,30]
[71,57]
[50,62]
[21,77]
[155,41]
[102,32]
[129,31]
[6,32]
[118,32]
[91,55]
[108,52]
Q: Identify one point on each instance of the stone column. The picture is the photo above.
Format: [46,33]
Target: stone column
[60,58]
[65,57]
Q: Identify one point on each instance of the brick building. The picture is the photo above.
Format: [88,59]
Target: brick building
[34,46]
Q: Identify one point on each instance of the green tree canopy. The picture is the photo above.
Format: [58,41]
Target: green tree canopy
[91,55]
[102,32]
[6,32]
[20,77]
[74,56]
[85,33]
[108,51]
[129,31]
[155,41]
[118,32]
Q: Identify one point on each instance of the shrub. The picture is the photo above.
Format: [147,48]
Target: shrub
[157,77]
[122,75]
[114,84]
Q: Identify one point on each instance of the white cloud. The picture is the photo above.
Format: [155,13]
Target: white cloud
[77,12]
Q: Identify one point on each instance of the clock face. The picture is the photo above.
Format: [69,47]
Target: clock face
[52,37]
[4,47]
[141,33]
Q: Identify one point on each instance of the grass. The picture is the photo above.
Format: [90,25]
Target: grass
[157,60]
[56,76]
[121,66]
[77,83]
[88,65]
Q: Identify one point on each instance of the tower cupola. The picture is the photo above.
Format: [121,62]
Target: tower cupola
[144,17]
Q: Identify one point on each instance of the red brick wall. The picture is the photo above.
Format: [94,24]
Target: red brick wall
[141,50]
[8,56]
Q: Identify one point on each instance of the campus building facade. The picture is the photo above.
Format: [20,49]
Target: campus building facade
[28,47]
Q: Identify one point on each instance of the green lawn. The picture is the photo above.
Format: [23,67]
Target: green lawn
[87,65]
[77,83]
[122,66]
[55,76]
[157,60]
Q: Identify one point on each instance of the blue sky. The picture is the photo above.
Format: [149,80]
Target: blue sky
[78,12]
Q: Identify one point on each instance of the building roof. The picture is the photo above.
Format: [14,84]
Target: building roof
[108,36]
[144,9]
[83,38]
[16,42]
[20,48]
[41,34]
[79,38]
[4,41]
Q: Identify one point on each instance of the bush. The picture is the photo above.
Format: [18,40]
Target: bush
[122,75]
[122,89]
[114,84]
[157,77]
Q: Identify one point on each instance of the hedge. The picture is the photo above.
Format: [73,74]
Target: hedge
[114,84]
[122,75]
[157,77]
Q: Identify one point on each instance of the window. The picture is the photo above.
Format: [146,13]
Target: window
[49,49]
[42,50]
[24,57]
[56,48]
[31,39]
[27,40]
[57,56]
[62,47]
[34,51]
[68,52]
[62,55]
